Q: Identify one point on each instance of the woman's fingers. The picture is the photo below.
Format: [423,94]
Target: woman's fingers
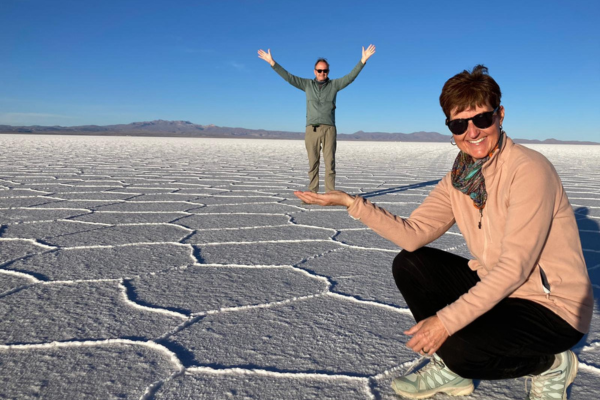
[428,336]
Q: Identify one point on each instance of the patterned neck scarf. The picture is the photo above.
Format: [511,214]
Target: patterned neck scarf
[468,178]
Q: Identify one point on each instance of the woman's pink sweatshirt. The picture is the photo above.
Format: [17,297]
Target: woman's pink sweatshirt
[528,232]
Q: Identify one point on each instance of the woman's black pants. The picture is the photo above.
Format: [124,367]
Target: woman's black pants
[515,338]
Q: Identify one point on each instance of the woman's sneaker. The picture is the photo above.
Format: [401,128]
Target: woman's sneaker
[433,378]
[553,383]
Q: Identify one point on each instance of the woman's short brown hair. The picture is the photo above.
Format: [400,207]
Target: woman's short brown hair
[469,90]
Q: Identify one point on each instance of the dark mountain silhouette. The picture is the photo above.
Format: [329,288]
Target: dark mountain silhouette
[187,129]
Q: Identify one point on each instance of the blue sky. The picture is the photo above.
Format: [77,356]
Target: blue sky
[109,62]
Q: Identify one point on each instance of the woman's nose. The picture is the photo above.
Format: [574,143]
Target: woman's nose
[472,130]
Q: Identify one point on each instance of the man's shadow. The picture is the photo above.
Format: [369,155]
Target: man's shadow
[397,189]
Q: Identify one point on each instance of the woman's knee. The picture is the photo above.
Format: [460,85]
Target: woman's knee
[462,357]
[410,261]
[457,362]
[401,263]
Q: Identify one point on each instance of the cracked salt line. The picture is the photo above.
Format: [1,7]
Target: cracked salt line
[404,366]
[313,227]
[400,310]
[55,208]
[109,192]
[41,193]
[78,281]
[593,267]
[219,196]
[142,212]
[328,210]
[110,246]
[151,201]
[237,213]
[257,306]
[271,241]
[264,266]
[591,346]
[252,203]
[145,224]
[262,372]
[449,249]
[589,368]
[80,222]
[159,310]
[19,274]
[32,241]
[243,228]
[586,206]
[155,386]
[94,343]
[352,246]
[32,197]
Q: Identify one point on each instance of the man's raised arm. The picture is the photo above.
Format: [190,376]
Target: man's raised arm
[293,80]
[348,79]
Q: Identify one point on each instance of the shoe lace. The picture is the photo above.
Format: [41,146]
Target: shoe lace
[537,385]
[433,362]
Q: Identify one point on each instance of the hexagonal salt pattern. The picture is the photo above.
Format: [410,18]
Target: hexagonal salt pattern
[156,268]
[208,384]
[71,311]
[106,262]
[118,369]
[201,288]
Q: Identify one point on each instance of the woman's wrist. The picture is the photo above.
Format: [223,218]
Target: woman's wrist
[350,201]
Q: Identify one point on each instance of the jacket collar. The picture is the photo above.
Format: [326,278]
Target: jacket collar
[497,159]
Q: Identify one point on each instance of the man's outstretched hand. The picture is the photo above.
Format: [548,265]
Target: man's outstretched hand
[366,54]
[266,55]
[333,198]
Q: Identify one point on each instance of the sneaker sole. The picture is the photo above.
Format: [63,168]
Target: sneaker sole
[572,373]
[459,391]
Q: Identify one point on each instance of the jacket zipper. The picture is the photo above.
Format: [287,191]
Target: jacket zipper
[485,234]
[544,281]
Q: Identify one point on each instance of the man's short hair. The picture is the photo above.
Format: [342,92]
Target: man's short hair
[321,60]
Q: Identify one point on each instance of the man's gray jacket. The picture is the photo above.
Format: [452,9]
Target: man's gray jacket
[320,102]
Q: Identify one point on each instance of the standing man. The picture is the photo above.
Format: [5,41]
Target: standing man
[321,94]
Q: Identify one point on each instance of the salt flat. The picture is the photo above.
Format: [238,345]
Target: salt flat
[169,268]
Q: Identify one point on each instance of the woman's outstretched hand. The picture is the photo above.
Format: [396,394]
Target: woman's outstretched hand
[427,336]
[333,198]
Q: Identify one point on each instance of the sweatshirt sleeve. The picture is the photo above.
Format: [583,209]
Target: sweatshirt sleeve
[344,81]
[293,80]
[533,193]
[425,224]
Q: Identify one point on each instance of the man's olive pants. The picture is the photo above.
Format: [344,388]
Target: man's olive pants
[316,137]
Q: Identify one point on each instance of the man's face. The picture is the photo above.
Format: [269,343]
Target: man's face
[324,68]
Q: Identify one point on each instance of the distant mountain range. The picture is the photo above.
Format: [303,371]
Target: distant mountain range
[187,129]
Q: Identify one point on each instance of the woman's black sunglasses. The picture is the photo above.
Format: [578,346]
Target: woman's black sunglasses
[482,121]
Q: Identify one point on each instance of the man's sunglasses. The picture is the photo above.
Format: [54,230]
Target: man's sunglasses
[322,70]
[482,121]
